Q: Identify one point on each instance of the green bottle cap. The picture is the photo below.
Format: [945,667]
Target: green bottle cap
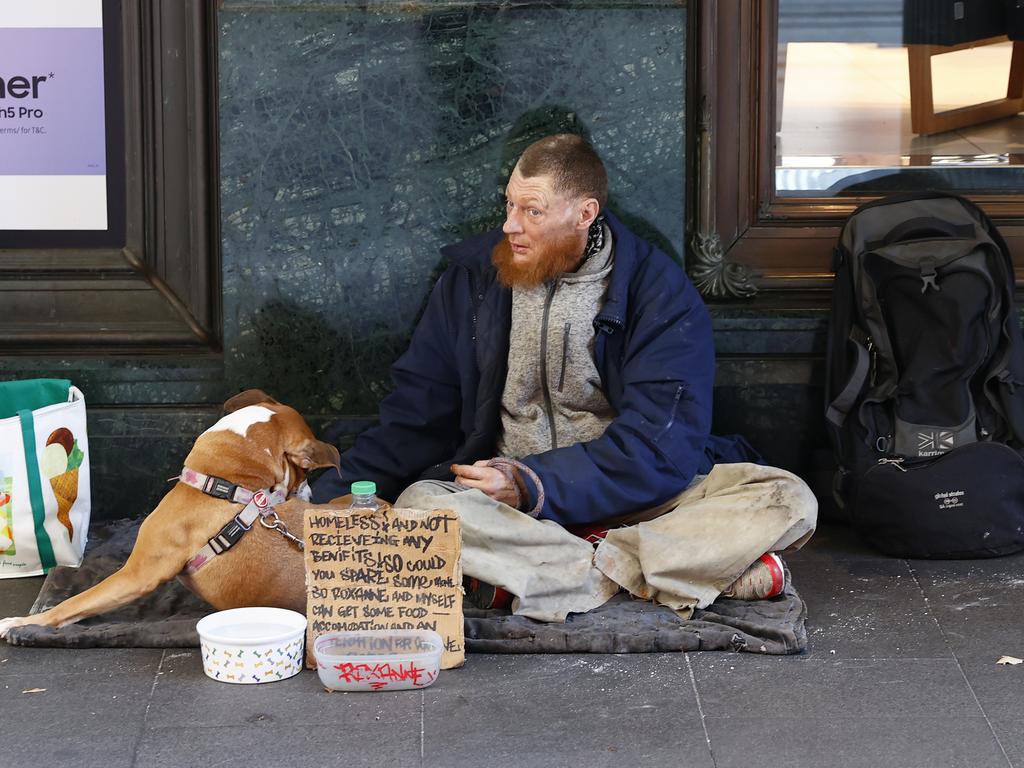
[364,488]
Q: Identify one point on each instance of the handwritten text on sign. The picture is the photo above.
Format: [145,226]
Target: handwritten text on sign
[390,569]
[377,676]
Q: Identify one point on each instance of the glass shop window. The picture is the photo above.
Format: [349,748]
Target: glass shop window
[881,96]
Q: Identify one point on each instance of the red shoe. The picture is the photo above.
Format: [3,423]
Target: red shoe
[484,596]
[764,579]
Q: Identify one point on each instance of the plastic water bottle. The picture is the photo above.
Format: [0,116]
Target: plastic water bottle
[364,496]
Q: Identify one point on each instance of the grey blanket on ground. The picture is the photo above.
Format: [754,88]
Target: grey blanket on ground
[167,618]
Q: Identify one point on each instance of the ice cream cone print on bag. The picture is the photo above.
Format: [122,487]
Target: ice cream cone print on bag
[6,523]
[59,463]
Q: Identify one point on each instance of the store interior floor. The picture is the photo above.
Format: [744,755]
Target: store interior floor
[901,671]
[845,109]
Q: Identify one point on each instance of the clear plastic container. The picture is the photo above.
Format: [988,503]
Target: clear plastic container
[378,659]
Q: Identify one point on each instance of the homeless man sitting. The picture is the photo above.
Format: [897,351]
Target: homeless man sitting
[557,395]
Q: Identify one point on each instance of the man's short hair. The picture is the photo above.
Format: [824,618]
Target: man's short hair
[571,162]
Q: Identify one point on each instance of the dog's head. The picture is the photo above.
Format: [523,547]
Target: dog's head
[277,432]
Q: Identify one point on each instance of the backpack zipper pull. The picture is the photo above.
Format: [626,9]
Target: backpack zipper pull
[928,276]
[898,463]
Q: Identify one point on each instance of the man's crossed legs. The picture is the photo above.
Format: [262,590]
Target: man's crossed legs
[682,554]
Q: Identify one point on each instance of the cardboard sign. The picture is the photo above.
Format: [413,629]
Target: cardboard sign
[389,569]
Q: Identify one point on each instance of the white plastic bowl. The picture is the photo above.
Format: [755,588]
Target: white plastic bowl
[378,660]
[252,645]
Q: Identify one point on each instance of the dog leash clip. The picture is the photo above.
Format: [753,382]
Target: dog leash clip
[272,522]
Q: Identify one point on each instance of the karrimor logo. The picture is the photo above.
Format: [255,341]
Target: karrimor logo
[934,442]
[21,87]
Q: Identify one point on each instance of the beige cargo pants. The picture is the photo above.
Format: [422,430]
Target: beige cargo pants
[681,554]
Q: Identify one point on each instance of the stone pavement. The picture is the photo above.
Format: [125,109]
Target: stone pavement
[901,672]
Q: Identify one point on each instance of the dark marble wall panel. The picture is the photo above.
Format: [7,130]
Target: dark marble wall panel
[126,382]
[358,138]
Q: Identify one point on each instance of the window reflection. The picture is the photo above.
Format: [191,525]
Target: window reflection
[859,113]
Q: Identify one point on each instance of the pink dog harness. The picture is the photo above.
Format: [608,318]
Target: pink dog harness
[258,505]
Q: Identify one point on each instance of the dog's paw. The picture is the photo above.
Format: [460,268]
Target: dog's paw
[6,625]
[304,492]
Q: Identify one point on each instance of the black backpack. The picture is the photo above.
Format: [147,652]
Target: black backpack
[925,380]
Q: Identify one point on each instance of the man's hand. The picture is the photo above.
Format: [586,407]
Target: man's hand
[489,480]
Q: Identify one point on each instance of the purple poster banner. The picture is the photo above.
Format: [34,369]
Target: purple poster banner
[52,102]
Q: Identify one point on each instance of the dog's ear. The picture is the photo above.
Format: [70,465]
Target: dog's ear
[249,397]
[310,454]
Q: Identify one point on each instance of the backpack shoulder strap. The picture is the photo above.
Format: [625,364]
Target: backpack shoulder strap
[839,408]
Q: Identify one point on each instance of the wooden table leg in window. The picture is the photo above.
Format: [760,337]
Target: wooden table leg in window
[924,119]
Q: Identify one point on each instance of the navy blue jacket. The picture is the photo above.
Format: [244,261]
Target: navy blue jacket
[655,355]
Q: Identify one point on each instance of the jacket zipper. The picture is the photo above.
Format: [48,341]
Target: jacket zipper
[474,298]
[565,355]
[545,388]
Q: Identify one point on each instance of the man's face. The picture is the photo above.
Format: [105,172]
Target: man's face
[545,233]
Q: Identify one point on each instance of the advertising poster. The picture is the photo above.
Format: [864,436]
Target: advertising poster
[53,148]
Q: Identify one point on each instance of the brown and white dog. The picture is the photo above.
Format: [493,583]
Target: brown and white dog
[259,444]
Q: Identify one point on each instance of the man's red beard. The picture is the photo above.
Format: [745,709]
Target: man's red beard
[543,262]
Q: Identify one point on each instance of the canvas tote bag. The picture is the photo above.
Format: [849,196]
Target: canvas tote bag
[44,476]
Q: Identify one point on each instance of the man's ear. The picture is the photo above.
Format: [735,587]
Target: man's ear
[588,211]
[249,397]
[311,454]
